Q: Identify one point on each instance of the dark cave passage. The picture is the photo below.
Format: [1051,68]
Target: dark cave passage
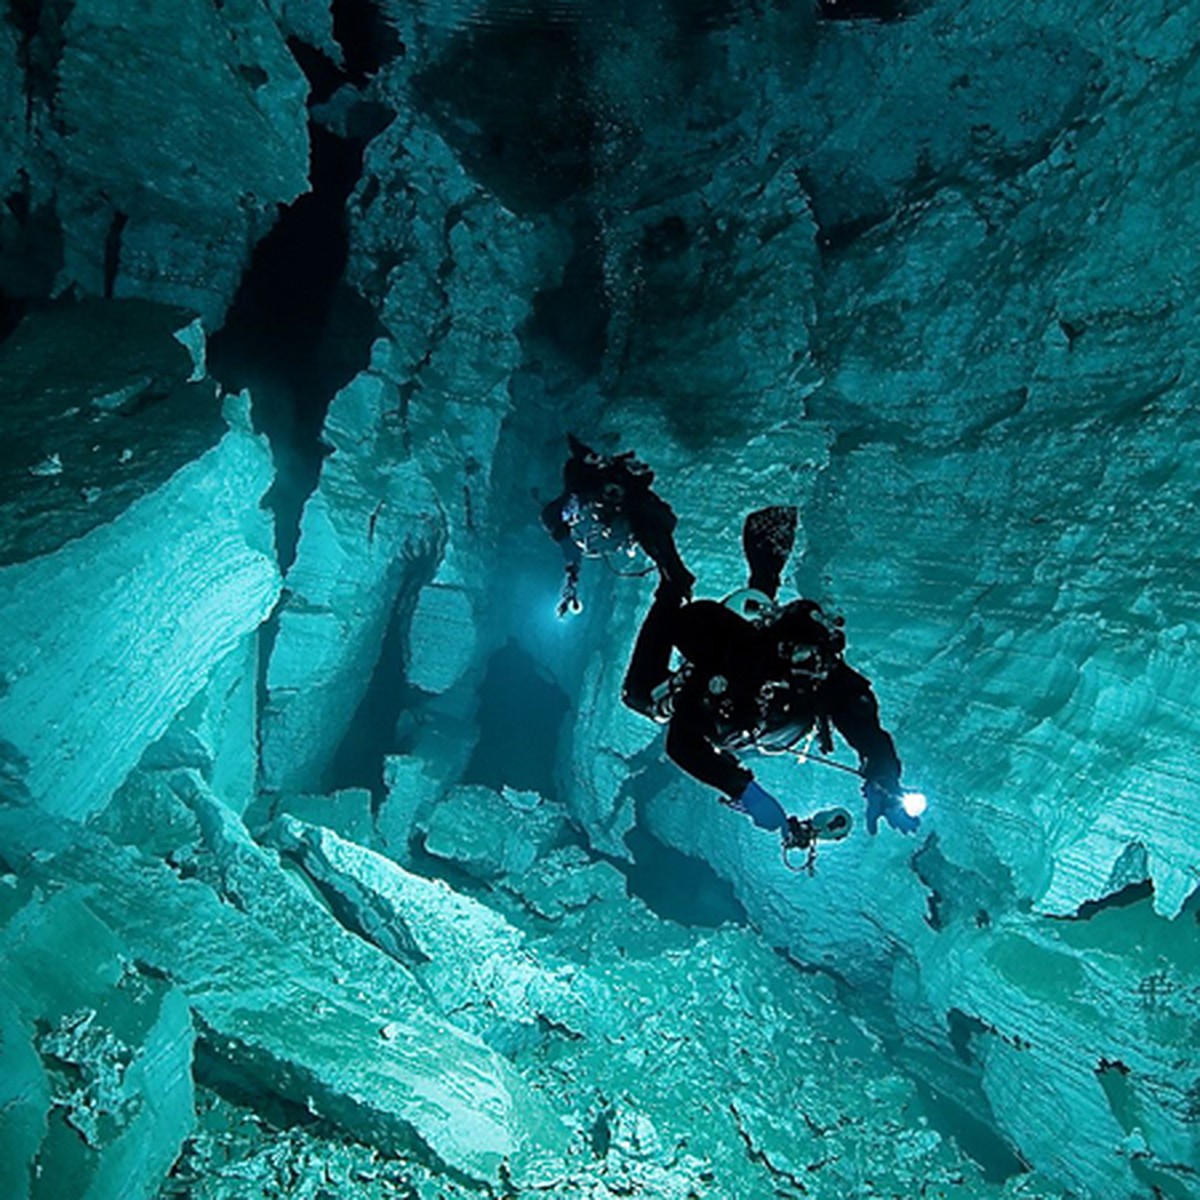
[864,10]
[372,733]
[296,333]
[520,718]
[368,40]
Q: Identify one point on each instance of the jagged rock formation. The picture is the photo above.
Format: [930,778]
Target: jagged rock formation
[275,905]
[370,537]
[136,558]
[169,205]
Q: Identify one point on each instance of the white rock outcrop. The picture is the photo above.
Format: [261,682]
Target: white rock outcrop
[132,572]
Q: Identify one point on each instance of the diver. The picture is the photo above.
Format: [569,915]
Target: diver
[607,506]
[758,675]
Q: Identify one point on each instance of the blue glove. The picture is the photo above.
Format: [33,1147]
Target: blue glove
[761,807]
[884,801]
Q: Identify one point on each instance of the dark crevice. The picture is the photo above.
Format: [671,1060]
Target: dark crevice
[286,300]
[422,861]
[368,41]
[254,75]
[931,869]
[31,236]
[838,235]
[863,10]
[957,895]
[1072,331]
[12,309]
[392,936]
[295,332]
[704,16]
[112,251]
[962,1028]
[1133,893]
[933,910]
[40,42]
[239,1086]
[601,1133]
[32,239]
[977,1139]
[573,316]
[323,74]
[676,886]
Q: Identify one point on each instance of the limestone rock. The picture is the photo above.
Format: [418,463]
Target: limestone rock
[490,833]
[115,1046]
[210,842]
[346,813]
[398,1078]
[103,405]
[309,22]
[24,1100]
[370,536]
[566,882]
[867,152]
[147,533]
[443,633]
[215,733]
[412,788]
[477,965]
[159,141]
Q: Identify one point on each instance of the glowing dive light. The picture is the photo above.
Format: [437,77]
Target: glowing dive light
[914,803]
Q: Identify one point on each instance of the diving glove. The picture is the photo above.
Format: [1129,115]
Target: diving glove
[760,806]
[884,801]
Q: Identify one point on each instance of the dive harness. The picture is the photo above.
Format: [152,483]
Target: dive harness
[599,533]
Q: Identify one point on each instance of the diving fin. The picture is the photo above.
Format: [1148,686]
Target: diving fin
[768,535]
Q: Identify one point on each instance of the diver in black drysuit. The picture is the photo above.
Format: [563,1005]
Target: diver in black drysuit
[611,495]
[765,681]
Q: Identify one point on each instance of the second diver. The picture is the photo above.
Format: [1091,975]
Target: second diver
[608,505]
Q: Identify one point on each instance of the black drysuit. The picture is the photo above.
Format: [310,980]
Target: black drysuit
[737,688]
[617,492]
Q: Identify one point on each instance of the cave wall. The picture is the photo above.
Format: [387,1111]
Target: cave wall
[929,278]
[993,394]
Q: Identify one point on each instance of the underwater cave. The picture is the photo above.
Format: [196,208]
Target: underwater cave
[401,793]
